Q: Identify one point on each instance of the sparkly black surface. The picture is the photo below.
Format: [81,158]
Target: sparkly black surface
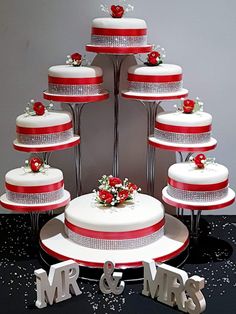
[213,256]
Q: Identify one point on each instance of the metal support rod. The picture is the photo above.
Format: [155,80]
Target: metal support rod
[117,63]
[46,157]
[195,219]
[76,110]
[34,220]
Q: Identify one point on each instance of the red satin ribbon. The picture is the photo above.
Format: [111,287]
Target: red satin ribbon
[75,80]
[182,129]
[119,32]
[119,50]
[45,130]
[198,187]
[34,189]
[115,235]
[155,78]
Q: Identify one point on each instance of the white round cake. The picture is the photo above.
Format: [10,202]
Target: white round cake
[74,80]
[183,128]
[118,32]
[49,128]
[134,224]
[160,79]
[187,182]
[34,187]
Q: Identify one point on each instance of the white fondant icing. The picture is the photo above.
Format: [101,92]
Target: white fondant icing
[19,177]
[84,212]
[122,23]
[46,120]
[187,172]
[70,71]
[182,119]
[162,69]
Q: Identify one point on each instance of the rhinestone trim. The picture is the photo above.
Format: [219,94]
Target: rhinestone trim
[118,41]
[144,87]
[83,89]
[102,244]
[195,196]
[182,138]
[34,198]
[38,139]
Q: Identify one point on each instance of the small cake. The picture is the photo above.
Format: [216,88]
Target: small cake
[184,126]
[34,184]
[118,31]
[71,79]
[199,180]
[37,127]
[112,219]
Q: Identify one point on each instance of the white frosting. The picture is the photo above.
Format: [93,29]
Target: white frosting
[19,177]
[85,213]
[162,69]
[178,118]
[46,120]
[71,71]
[119,23]
[187,172]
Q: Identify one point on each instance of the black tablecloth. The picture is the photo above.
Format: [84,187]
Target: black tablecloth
[212,256]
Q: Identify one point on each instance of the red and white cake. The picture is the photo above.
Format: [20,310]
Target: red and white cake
[189,182]
[49,128]
[130,225]
[34,187]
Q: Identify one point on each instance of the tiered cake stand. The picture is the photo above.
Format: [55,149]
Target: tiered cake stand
[117,55]
[75,104]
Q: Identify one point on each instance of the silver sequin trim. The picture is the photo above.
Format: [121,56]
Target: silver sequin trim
[182,138]
[84,89]
[195,196]
[144,87]
[38,139]
[118,41]
[102,244]
[34,198]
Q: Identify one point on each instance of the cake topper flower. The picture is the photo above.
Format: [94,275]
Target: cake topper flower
[155,57]
[117,11]
[35,164]
[201,160]
[113,191]
[37,108]
[76,59]
[189,105]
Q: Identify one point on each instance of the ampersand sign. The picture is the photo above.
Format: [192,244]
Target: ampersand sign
[110,280]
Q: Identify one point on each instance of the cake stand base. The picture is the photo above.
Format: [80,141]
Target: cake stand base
[171,247]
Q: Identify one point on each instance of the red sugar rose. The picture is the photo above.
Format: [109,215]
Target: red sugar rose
[132,187]
[188,105]
[199,160]
[123,195]
[76,56]
[105,196]
[117,11]
[39,108]
[35,164]
[153,57]
[113,181]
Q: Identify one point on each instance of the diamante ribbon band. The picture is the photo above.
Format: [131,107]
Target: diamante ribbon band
[119,32]
[78,89]
[155,78]
[115,235]
[34,189]
[145,87]
[182,138]
[198,187]
[75,80]
[118,41]
[182,129]
[197,196]
[44,130]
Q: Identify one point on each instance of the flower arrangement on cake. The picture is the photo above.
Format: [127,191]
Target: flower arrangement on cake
[35,164]
[201,161]
[190,105]
[37,108]
[112,191]
[117,11]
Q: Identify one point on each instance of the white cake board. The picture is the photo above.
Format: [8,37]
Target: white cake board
[29,208]
[152,97]
[224,202]
[54,242]
[182,147]
[75,140]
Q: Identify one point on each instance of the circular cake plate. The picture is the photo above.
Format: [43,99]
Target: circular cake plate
[202,147]
[75,140]
[54,241]
[224,202]
[152,97]
[35,207]
[77,98]
[119,50]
